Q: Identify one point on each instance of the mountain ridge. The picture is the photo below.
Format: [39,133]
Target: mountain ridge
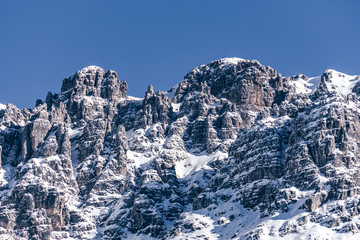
[234,151]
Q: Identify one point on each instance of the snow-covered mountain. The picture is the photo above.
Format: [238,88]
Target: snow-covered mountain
[235,151]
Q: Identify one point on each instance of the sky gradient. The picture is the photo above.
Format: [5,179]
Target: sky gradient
[158,42]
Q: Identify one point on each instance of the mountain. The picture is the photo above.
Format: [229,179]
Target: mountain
[234,151]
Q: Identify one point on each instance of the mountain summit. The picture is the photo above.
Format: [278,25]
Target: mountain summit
[234,151]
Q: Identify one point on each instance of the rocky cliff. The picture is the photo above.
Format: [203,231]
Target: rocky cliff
[234,151]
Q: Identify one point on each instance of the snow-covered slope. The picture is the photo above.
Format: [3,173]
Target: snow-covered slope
[340,82]
[234,151]
[305,85]
[333,80]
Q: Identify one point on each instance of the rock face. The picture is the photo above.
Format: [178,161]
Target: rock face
[235,151]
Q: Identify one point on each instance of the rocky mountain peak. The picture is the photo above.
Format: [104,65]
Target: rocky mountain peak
[231,61]
[90,70]
[244,82]
[94,81]
[337,83]
[89,76]
[149,92]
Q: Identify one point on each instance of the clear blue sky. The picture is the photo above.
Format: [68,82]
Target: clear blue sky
[158,42]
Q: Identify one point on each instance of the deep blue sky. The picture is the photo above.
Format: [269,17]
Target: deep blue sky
[158,42]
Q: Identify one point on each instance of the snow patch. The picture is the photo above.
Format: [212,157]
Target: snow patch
[89,69]
[75,132]
[176,107]
[313,83]
[306,87]
[196,162]
[232,61]
[2,106]
[138,158]
[131,98]
[341,82]
[3,181]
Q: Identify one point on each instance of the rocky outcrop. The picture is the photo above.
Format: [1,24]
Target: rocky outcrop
[156,108]
[94,81]
[241,81]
